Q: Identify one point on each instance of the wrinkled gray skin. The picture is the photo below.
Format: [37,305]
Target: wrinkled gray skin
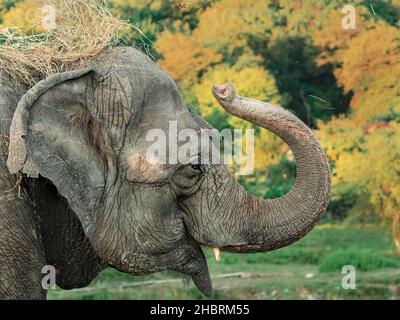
[99,202]
[37,227]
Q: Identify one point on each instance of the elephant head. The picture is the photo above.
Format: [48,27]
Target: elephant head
[85,130]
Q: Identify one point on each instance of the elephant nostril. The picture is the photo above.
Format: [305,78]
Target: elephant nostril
[222,90]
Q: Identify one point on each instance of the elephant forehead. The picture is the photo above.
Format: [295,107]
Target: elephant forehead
[142,169]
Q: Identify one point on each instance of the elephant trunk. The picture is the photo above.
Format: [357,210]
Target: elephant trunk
[275,223]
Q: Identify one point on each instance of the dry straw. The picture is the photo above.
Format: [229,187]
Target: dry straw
[83,29]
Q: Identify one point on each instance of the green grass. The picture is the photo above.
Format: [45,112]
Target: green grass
[309,269]
[363,260]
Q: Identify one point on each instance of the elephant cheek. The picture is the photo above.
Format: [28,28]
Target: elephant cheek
[139,169]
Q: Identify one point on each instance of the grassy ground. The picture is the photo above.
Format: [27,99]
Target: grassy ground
[309,269]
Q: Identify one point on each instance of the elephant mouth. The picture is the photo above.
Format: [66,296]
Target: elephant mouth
[194,264]
[197,266]
[202,279]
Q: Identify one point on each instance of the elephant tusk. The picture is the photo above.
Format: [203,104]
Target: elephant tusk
[216,252]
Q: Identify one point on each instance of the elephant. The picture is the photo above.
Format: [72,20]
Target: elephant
[87,198]
[37,226]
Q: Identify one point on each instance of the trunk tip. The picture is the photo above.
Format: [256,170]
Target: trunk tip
[224,92]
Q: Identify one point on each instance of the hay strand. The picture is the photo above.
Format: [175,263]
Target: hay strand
[83,29]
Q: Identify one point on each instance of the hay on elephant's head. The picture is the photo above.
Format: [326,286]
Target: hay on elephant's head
[83,29]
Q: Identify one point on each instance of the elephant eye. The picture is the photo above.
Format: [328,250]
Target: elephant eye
[188,177]
[196,167]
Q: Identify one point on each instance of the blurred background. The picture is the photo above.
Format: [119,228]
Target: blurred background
[343,83]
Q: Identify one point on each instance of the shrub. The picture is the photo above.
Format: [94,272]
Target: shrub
[362,260]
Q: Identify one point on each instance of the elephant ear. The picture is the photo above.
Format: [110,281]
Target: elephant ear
[54,134]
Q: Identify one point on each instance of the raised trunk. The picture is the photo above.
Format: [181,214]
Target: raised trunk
[279,222]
